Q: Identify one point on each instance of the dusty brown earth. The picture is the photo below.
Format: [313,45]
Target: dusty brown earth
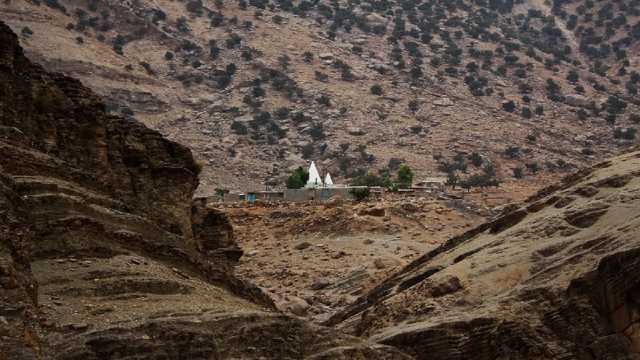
[555,277]
[315,259]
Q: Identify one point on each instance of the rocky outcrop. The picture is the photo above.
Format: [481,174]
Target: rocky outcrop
[554,278]
[103,253]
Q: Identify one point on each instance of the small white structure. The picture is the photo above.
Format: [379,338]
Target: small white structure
[314,177]
[327,181]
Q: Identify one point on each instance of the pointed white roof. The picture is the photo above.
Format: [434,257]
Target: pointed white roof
[327,180]
[314,176]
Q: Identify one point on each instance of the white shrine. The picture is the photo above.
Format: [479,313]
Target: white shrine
[315,181]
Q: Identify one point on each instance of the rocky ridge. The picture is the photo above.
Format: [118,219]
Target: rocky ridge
[554,278]
[103,253]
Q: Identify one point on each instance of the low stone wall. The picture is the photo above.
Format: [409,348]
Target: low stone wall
[321,194]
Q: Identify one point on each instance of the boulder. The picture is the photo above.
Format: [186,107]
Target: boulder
[375,19]
[443,101]
[376,211]
[577,100]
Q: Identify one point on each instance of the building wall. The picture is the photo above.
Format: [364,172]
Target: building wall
[321,194]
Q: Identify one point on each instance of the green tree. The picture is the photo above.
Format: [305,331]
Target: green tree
[298,179]
[405,175]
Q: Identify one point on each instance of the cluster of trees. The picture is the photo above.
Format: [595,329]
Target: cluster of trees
[403,179]
[457,169]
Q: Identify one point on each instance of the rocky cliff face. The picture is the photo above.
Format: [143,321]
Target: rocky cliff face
[555,278]
[103,253]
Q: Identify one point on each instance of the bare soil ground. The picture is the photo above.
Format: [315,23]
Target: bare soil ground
[315,259]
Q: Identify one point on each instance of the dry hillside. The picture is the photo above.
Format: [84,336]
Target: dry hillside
[554,278]
[255,88]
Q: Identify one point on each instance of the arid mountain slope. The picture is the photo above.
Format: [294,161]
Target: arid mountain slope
[255,88]
[103,253]
[554,278]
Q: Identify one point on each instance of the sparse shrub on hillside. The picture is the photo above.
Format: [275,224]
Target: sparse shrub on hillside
[533,167]
[324,100]
[246,55]
[54,4]
[233,41]
[182,25]
[317,132]
[217,19]
[257,91]
[168,56]
[615,105]
[195,7]
[539,110]
[582,114]
[475,159]
[376,89]
[230,69]
[321,76]
[512,152]
[526,113]
[118,42]
[518,173]
[509,106]
[298,117]
[553,91]
[282,113]
[214,50]
[26,32]
[307,57]
[626,134]
[307,151]
[413,106]
[239,128]
[284,61]
[573,77]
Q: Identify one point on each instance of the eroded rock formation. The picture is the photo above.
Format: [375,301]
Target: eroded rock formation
[104,255]
[554,278]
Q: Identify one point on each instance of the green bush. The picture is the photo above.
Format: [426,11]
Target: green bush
[298,179]
[405,175]
[360,194]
